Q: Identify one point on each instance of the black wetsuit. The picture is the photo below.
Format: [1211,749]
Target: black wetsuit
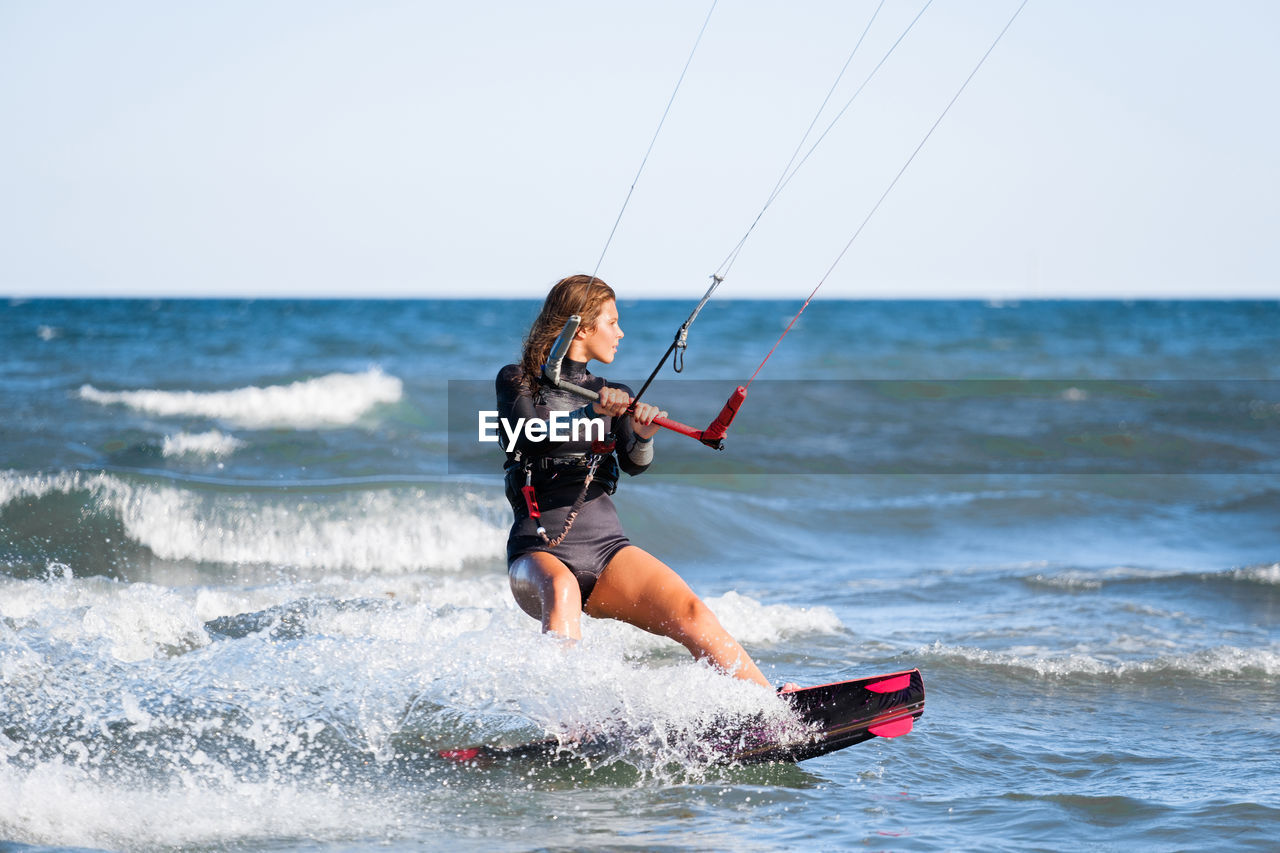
[558,470]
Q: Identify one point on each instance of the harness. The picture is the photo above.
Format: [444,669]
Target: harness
[550,467]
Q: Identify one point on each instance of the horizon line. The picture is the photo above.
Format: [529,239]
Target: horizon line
[1194,296]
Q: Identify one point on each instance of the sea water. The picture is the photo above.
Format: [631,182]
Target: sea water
[252,579]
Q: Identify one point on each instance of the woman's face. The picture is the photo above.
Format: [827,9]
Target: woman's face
[600,342]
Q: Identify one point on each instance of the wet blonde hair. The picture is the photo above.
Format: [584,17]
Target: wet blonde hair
[583,295]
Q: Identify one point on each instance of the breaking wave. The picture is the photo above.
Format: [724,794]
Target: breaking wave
[1095,579]
[211,443]
[1216,662]
[369,529]
[338,399]
[1269,575]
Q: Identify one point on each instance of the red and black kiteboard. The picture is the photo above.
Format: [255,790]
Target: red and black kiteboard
[834,716]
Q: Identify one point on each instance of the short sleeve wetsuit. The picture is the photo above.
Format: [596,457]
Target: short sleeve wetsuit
[558,470]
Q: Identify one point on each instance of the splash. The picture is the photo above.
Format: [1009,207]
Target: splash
[128,622]
[310,709]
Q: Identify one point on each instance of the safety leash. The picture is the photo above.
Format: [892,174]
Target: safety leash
[598,451]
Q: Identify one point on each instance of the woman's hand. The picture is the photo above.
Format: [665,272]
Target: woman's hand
[612,402]
[615,402]
[642,420]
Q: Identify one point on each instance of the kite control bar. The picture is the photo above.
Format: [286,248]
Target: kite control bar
[712,436]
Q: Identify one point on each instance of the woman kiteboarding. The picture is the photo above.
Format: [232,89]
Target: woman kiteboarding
[567,553]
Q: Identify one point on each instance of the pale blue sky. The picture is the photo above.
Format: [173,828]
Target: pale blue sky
[1108,148]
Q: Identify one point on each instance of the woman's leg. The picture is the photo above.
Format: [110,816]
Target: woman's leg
[638,588]
[546,590]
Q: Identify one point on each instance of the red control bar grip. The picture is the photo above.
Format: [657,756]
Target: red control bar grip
[676,426]
[712,436]
[720,425]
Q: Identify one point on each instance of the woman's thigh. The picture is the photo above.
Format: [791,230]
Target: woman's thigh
[638,588]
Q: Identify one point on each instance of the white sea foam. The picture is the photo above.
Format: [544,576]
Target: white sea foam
[435,593]
[338,399]
[67,802]
[142,621]
[1067,580]
[136,621]
[65,805]
[1259,574]
[442,663]
[221,745]
[752,622]
[749,621]
[211,443]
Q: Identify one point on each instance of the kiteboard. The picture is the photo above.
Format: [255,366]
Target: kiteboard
[832,716]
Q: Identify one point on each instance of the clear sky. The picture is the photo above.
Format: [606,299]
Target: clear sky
[1115,148]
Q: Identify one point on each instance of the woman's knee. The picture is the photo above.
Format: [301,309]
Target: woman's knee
[562,589]
[541,585]
[524,590]
[693,620]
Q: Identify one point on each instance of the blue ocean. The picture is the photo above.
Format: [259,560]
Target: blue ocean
[252,579]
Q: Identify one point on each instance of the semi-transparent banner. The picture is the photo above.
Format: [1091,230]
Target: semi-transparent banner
[934,427]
